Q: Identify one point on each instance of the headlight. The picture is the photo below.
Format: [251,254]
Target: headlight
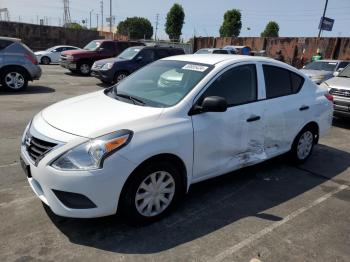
[90,155]
[70,57]
[107,66]
[25,136]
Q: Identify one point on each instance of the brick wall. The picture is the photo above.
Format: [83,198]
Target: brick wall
[291,47]
[39,37]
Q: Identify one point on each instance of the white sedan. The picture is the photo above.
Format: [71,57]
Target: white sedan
[136,147]
[53,54]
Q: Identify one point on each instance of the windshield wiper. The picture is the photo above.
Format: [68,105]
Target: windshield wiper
[135,100]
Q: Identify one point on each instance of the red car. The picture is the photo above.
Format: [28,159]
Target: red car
[80,61]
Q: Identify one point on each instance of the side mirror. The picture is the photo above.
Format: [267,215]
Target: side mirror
[303,67]
[336,73]
[210,104]
[54,51]
[139,58]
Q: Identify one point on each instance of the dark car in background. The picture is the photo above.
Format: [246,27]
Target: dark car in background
[113,70]
[18,64]
[80,61]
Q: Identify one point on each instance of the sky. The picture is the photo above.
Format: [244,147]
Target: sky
[202,17]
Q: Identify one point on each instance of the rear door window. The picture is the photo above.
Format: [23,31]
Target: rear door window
[161,53]
[281,82]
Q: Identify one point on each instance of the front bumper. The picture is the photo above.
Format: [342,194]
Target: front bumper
[341,106]
[68,64]
[102,187]
[105,76]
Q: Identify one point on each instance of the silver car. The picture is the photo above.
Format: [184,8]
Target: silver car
[321,70]
[339,88]
[18,64]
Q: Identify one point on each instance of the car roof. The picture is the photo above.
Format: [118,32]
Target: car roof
[211,59]
[10,39]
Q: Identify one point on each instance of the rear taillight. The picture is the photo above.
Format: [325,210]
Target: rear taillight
[329,97]
[32,59]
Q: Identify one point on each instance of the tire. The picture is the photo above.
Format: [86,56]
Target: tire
[119,76]
[15,79]
[135,196]
[303,145]
[84,68]
[45,60]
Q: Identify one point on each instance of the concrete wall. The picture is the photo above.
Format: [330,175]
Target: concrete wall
[39,37]
[291,47]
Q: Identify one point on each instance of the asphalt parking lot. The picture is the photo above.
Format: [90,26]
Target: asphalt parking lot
[271,212]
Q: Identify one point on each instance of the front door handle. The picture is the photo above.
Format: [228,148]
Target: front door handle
[302,108]
[253,118]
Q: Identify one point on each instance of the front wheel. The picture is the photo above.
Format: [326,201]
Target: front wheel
[84,68]
[151,192]
[14,80]
[303,145]
[45,60]
[119,76]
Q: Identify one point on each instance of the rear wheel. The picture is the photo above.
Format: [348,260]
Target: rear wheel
[14,79]
[84,68]
[45,60]
[151,192]
[303,145]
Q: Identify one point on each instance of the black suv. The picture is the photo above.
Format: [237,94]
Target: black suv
[111,71]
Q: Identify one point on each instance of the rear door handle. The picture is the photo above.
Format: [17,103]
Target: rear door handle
[253,118]
[302,108]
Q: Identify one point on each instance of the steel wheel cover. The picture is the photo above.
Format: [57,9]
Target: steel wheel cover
[155,193]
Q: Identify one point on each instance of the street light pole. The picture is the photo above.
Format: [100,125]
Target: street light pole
[324,13]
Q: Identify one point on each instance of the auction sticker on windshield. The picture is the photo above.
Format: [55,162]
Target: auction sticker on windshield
[198,68]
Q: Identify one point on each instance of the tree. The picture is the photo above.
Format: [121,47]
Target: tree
[136,28]
[174,22]
[271,30]
[74,26]
[231,26]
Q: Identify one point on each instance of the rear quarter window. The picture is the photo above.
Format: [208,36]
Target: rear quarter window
[4,44]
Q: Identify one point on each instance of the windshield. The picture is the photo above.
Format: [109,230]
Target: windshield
[345,72]
[162,83]
[129,53]
[92,46]
[325,66]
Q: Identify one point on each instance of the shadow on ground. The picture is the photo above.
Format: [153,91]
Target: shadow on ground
[342,122]
[31,89]
[210,205]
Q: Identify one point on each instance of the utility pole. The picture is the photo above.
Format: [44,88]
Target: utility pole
[155,34]
[102,22]
[97,21]
[110,16]
[324,13]
[90,17]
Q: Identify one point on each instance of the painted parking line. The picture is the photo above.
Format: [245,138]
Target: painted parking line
[231,250]
[8,165]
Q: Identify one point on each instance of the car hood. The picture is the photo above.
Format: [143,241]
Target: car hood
[41,53]
[110,60]
[79,52]
[313,73]
[96,114]
[339,82]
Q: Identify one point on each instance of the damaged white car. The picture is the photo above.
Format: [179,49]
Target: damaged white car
[138,146]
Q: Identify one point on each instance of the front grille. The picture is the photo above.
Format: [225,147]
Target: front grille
[37,148]
[340,92]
